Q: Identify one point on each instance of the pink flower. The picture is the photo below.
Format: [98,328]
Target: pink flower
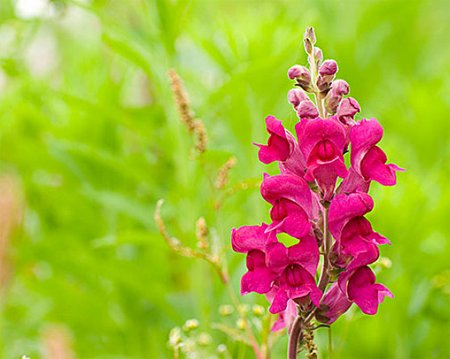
[286,317]
[304,253]
[363,290]
[368,160]
[259,277]
[252,240]
[295,282]
[333,305]
[282,147]
[294,205]
[322,143]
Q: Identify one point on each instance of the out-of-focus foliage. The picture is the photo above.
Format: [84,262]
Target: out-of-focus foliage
[89,128]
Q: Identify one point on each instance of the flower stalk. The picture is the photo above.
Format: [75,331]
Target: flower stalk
[320,202]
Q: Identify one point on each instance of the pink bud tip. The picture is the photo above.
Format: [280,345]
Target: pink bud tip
[329,67]
[295,96]
[298,71]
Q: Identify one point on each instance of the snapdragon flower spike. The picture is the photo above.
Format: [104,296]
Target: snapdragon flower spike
[322,142]
[307,205]
[281,147]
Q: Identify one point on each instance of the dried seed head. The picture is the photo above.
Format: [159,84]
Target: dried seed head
[222,177]
[182,101]
[201,231]
[202,138]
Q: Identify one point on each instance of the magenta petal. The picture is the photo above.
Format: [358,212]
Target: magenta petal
[364,135]
[289,218]
[333,305]
[364,292]
[310,132]
[246,238]
[290,187]
[305,253]
[259,280]
[344,207]
[279,303]
[278,147]
[354,182]
[277,257]
[373,167]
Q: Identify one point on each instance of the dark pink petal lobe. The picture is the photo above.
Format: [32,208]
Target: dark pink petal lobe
[305,253]
[258,280]
[364,292]
[290,218]
[333,305]
[354,182]
[246,238]
[373,167]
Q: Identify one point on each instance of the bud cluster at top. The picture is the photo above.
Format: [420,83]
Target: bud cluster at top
[320,202]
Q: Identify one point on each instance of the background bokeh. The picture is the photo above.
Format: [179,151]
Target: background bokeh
[90,135]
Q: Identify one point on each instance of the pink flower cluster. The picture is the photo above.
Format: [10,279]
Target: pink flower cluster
[316,199]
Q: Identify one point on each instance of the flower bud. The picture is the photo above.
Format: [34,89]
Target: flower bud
[334,97]
[323,84]
[301,75]
[318,55]
[347,111]
[328,68]
[306,109]
[296,96]
[308,45]
[309,33]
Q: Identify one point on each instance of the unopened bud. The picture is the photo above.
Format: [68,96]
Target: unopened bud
[323,84]
[308,45]
[328,68]
[334,97]
[347,110]
[306,109]
[340,87]
[296,96]
[309,33]
[318,55]
[300,74]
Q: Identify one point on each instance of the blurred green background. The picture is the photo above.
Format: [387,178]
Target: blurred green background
[89,130]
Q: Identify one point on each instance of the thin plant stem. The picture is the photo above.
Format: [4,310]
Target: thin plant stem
[294,337]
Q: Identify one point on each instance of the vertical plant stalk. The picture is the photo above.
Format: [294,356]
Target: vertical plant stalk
[294,337]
